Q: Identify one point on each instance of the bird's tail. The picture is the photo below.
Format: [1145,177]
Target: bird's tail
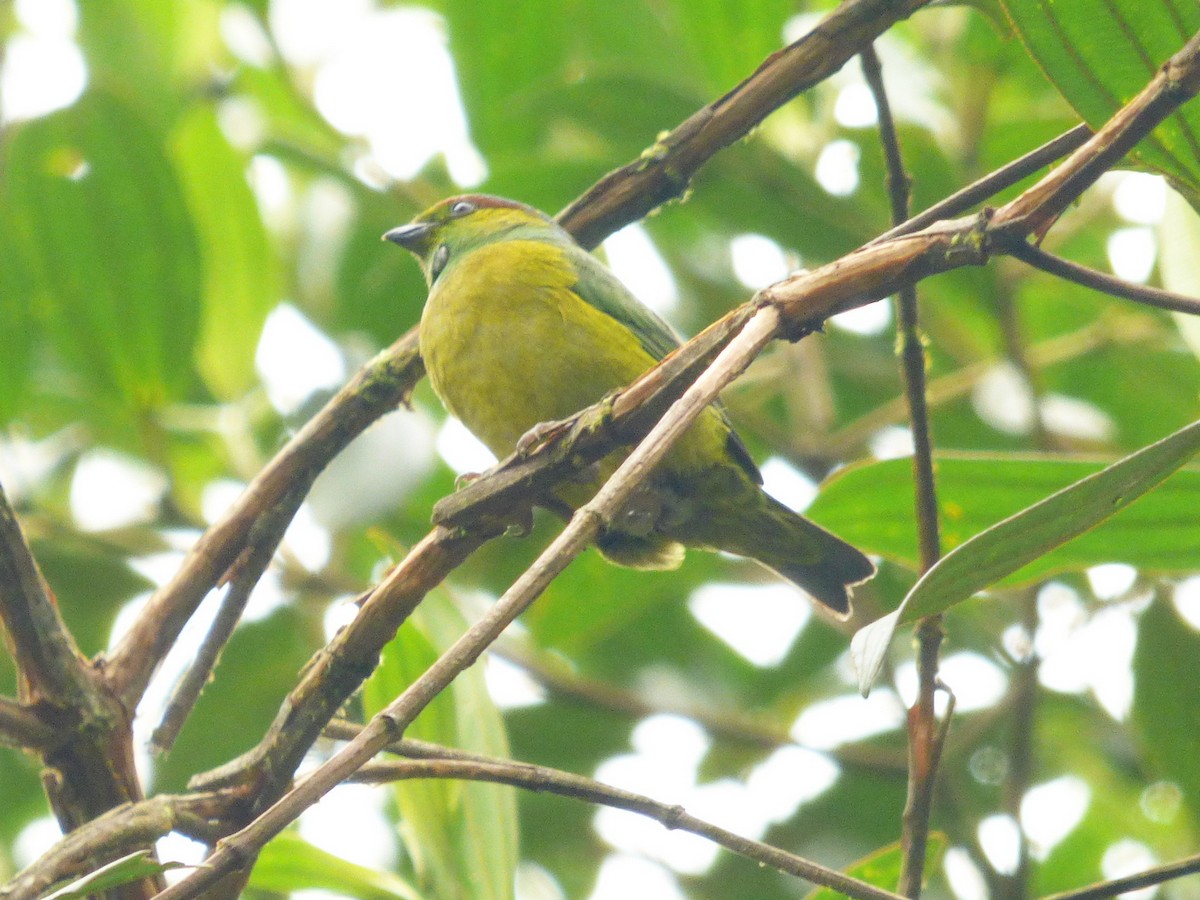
[820,563]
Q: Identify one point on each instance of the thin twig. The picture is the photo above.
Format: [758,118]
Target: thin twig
[553,781]
[1101,281]
[1158,875]
[993,183]
[922,735]
[247,571]
[345,730]
[912,351]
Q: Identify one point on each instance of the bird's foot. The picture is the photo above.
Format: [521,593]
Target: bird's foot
[539,435]
[521,523]
[466,478]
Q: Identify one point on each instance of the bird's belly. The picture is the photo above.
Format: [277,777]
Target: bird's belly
[500,390]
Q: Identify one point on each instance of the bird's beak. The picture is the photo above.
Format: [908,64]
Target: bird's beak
[411,237]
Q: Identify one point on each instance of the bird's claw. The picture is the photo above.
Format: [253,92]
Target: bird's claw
[466,478]
[521,524]
[538,436]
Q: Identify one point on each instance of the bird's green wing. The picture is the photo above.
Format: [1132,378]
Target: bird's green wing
[600,288]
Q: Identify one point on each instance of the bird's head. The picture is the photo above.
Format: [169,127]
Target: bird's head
[459,224]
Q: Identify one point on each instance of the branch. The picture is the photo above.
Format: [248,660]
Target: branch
[879,269]
[118,832]
[802,301]
[89,769]
[1157,875]
[21,728]
[390,723]
[554,781]
[50,667]
[1175,83]
[1101,281]
[994,182]
[665,169]
[376,389]
[923,752]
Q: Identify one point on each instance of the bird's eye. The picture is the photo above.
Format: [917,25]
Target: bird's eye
[461,208]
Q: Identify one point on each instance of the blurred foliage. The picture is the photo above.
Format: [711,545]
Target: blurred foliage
[150,227]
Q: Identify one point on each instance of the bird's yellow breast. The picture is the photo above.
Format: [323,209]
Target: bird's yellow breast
[509,344]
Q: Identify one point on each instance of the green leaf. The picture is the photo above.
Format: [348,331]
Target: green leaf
[1166,703]
[16,319]
[870,505]
[882,868]
[241,277]
[120,871]
[1099,62]
[1003,549]
[729,40]
[461,835]
[150,53]
[101,224]
[290,863]
[550,46]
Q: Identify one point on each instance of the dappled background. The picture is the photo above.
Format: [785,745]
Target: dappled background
[191,199]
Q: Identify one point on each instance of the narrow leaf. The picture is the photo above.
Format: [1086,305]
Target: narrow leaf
[125,870]
[1003,549]
[1166,701]
[870,505]
[882,868]
[461,836]
[241,279]
[290,863]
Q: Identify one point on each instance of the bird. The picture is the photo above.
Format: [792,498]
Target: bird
[523,326]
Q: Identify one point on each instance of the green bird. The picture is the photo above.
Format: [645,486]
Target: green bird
[524,326]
